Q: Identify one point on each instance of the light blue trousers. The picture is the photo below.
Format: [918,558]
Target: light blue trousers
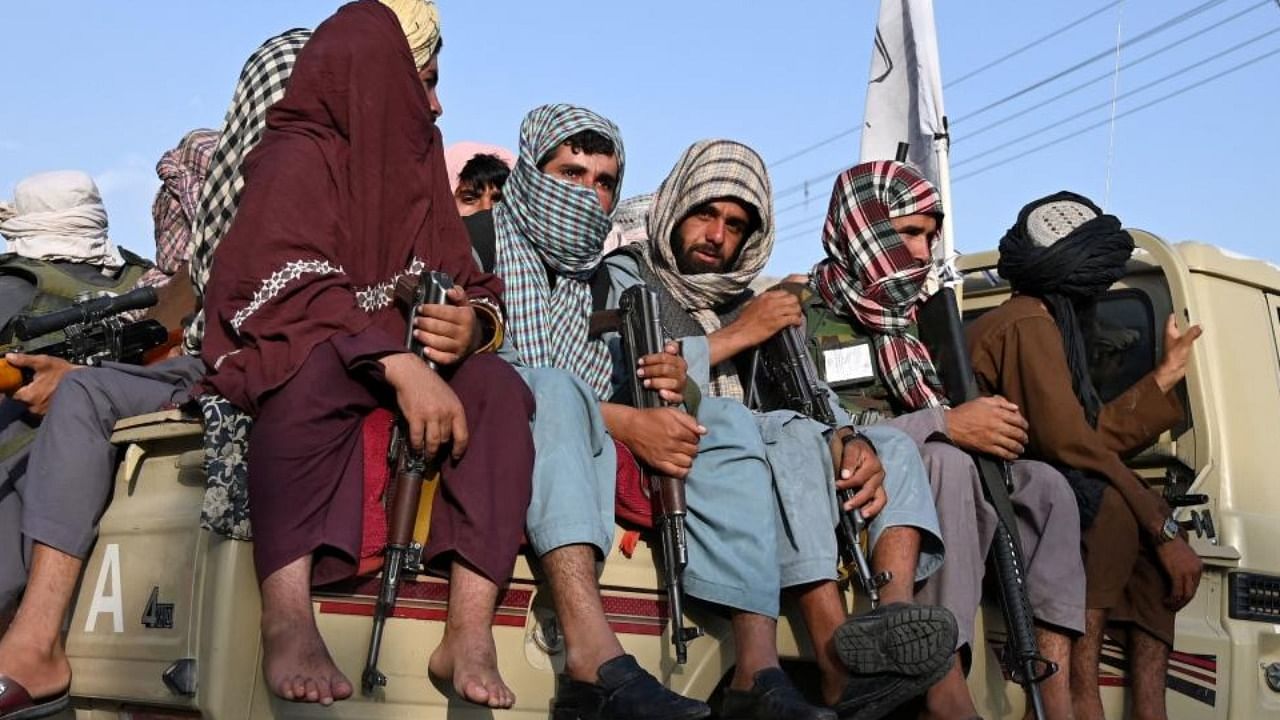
[732,557]
[806,509]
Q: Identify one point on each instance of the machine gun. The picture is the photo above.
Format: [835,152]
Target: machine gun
[943,333]
[793,385]
[410,470]
[642,335]
[92,333]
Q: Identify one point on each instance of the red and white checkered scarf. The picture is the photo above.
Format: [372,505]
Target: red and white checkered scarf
[870,276]
[182,172]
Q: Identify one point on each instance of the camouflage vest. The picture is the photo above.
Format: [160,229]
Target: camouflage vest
[846,359]
[56,288]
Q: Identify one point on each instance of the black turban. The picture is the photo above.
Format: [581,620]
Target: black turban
[1065,251]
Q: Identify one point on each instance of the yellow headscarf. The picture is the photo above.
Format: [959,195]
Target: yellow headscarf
[420,22]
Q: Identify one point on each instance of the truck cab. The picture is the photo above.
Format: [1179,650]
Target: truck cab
[165,624]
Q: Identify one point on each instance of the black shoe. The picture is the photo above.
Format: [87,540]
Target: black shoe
[771,697]
[898,639]
[894,653]
[624,692]
[871,697]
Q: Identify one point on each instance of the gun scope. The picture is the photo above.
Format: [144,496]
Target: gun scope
[26,328]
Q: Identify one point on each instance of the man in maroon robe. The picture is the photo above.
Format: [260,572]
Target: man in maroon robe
[346,194]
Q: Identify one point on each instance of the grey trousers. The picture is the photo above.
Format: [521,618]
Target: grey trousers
[1048,526]
[53,491]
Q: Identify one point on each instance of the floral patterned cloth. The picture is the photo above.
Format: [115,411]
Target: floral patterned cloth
[226,443]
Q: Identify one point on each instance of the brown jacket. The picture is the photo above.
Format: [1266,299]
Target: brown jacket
[1017,352]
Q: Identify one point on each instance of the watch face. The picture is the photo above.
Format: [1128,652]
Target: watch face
[1170,529]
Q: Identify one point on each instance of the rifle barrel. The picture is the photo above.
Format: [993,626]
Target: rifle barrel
[26,328]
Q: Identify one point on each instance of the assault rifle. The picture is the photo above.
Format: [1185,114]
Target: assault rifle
[642,335]
[92,333]
[943,333]
[793,384]
[410,470]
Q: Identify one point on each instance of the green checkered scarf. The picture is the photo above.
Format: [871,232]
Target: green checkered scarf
[711,170]
[545,223]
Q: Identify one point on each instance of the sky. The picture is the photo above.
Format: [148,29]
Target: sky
[108,87]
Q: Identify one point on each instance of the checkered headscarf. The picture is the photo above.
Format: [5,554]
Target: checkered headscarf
[545,223]
[182,171]
[262,84]
[711,170]
[870,276]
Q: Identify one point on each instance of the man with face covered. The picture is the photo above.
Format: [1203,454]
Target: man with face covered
[882,221]
[547,237]
[710,232]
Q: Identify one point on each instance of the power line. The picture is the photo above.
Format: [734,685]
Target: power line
[1137,61]
[1056,141]
[1092,108]
[1095,126]
[1172,22]
[827,141]
[1159,28]
[1034,43]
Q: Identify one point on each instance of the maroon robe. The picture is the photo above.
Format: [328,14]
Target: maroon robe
[346,192]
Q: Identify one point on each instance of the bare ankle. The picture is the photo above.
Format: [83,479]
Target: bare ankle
[583,665]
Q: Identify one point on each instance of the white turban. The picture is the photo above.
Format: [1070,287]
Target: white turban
[59,216]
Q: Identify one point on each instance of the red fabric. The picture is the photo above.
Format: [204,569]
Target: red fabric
[632,503]
[376,433]
[347,187]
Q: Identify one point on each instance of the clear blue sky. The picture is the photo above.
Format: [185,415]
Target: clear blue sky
[107,87]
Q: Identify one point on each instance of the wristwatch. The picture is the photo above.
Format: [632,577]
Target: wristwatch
[1168,531]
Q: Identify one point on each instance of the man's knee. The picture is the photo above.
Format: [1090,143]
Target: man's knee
[79,393]
[1041,483]
[951,473]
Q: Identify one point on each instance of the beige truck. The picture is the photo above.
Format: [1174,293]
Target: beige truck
[166,621]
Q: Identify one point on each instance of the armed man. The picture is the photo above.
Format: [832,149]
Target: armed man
[710,232]
[1061,255]
[56,459]
[546,236]
[859,311]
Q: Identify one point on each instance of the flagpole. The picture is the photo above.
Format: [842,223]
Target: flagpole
[942,148]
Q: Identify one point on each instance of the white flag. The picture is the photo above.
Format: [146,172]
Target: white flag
[904,95]
[904,99]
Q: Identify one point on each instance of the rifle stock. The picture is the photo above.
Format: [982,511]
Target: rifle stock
[642,335]
[943,333]
[411,472]
[793,383]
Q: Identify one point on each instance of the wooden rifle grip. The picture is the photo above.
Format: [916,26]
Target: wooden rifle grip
[404,506]
[11,378]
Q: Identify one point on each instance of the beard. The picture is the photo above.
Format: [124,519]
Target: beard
[690,264]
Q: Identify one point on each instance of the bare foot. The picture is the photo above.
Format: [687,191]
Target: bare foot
[298,666]
[468,659]
[43,671]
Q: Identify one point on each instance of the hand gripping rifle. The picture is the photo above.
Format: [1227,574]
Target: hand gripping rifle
[93,333]
[642,335]
[410,468]
[943,334]
[793,384]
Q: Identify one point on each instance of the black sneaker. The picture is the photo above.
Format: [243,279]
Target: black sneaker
[894,653]
[871,697]
[771,697]
[624,692]
[898,639]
